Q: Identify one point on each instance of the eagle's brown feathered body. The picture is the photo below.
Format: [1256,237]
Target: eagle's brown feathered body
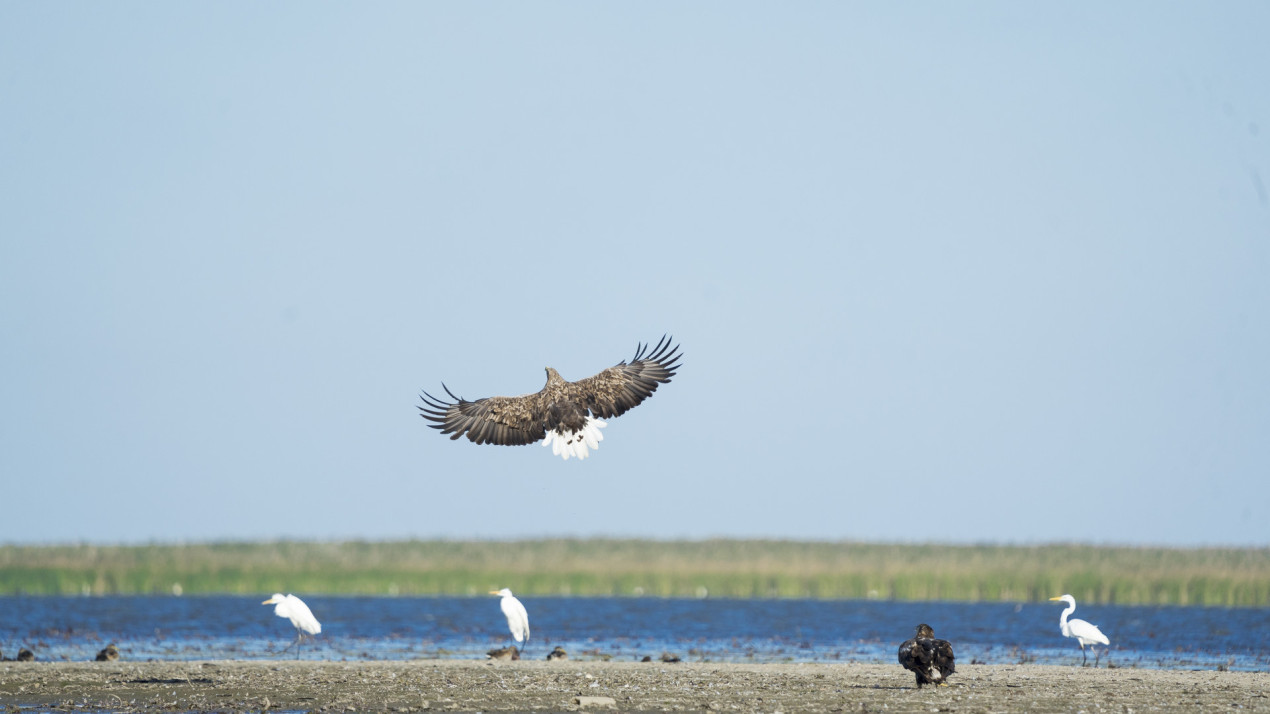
[565,415]
[931,660]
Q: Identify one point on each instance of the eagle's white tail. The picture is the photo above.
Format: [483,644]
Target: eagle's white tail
[564,444]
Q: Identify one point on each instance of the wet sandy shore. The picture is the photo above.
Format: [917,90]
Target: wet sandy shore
[464,685]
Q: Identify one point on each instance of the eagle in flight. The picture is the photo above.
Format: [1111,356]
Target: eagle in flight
[567,416]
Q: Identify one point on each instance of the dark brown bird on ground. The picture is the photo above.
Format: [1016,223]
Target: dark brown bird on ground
[504,653]
[109,654]
[565,415]
[26,655]
[931,660]
[557,653]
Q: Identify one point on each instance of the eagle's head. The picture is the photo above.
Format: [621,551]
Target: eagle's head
[924,630]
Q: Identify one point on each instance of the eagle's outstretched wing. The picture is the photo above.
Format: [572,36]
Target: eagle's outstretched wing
[509,421]
[615,390]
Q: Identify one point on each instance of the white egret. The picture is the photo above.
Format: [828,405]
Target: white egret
[931,660]
[294,609]
[517,618]
[1085,633]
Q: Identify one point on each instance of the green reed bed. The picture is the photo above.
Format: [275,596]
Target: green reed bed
[612,567]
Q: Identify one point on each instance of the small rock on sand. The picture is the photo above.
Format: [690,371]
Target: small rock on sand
[505,653]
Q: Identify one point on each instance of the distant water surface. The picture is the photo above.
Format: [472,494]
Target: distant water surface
[373,628]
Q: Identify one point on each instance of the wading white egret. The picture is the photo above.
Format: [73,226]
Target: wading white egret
[1085,633]
[294,609]
[517,618]
[931,660]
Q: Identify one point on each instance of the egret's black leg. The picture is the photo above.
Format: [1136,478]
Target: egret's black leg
[296,644]
[1084,658]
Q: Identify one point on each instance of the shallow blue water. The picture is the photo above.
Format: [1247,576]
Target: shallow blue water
[365,628]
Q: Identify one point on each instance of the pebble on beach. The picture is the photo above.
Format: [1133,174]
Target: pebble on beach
[504,653]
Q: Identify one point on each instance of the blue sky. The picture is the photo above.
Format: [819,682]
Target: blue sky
[942,272]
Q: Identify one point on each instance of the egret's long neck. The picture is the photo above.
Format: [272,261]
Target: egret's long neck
[1062,619]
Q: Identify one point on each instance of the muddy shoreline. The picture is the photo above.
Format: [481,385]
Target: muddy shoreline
[467,685]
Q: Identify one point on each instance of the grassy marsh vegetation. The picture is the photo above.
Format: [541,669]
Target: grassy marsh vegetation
[721,568]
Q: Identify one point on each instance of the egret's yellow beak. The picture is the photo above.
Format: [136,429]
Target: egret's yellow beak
[1060,597]
[270,601]
[493,592]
